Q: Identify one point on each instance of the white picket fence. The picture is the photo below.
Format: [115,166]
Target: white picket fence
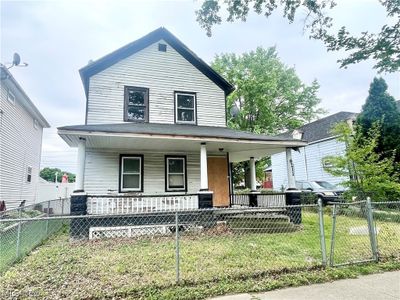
[138,204]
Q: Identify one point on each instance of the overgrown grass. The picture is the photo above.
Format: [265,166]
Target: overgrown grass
[211,264]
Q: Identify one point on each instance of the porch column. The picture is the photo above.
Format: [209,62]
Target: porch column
[253,183]
[203,168]
[290,169]
[80,169]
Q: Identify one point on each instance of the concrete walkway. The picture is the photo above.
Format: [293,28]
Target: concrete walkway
[385,286]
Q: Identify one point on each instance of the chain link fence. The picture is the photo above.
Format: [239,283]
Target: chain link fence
[23,228]
[196,246]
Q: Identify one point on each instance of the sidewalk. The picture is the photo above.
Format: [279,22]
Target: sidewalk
[385,286]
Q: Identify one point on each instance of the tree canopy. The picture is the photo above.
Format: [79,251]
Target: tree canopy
[383,46]
[49,174]
[381,107]
[269,96]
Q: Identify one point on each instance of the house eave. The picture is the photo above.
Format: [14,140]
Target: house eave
[81,133]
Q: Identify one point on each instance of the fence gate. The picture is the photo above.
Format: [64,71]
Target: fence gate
[353,238]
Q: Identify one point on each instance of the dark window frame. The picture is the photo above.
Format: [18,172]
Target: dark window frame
[166,157]
[176,107]
[121,157]
[146,103]
[29,170]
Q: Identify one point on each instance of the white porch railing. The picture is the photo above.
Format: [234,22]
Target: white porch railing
[263,200]
[271,200]
[104,204]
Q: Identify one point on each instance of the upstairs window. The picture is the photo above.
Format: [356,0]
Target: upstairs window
[35,124]
[175,169]
[136,104]
[131,173]
[185,108]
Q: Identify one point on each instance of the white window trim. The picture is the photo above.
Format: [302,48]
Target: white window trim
[174,189]
[8,97]
[130,173]
[194,108]
[35,124]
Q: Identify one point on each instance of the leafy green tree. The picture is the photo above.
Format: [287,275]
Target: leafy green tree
[370,174]
[383,47]
[269,98]
[381,107]
[49,174]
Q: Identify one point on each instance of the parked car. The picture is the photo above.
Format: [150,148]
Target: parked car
[324,190]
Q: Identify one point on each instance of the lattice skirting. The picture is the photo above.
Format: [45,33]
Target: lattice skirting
[134,231]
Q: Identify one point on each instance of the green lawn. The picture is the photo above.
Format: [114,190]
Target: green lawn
[211,264]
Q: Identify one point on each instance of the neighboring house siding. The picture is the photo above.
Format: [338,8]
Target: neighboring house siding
[307,163]
[162,73]
[102,171]
[20,148]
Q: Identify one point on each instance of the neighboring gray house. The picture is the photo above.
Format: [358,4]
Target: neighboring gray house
[155,135]
[308,161]
[21,129]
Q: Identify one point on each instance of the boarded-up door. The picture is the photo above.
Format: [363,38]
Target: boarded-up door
[218,181]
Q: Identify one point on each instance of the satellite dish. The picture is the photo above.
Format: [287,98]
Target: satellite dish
[16,59]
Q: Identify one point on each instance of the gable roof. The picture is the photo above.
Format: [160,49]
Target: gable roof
[151,38]
[321,129]
[7,78]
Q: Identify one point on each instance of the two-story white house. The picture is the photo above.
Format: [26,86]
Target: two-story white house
[155,135]
[21,130]
[309,163]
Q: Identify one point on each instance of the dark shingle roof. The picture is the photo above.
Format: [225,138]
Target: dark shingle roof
[175,130]
[321,129]
[153,37]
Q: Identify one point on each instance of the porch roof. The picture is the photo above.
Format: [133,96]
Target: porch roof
[176,137]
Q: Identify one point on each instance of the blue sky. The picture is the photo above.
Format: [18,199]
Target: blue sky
[59,37]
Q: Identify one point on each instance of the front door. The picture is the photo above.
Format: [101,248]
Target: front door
[218,181]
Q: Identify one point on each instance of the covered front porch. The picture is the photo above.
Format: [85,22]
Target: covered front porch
[137,168]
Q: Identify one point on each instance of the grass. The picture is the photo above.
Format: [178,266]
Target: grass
[211,264]
[32,234]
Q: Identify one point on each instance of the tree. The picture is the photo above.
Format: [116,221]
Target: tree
[370,174]
[269,97]
[381,107]
[49,174]
[383,47]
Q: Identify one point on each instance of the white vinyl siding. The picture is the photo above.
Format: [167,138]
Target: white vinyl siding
[307,164]
[102,167]
[162,73]
[20,148]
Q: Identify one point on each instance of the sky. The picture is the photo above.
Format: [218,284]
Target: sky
[57,38]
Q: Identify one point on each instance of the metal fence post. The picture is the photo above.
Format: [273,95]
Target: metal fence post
[18,246]
[371,229]
[322,232]
[177,258]
[331,257]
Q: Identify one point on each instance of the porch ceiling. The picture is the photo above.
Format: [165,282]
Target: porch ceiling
[240,149]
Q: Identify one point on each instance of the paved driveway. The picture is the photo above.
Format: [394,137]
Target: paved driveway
[385,286]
